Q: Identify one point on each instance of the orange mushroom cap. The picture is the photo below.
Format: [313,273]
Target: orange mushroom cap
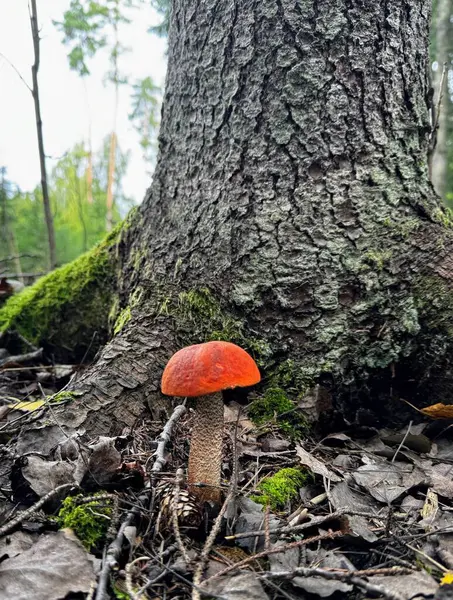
[207,368]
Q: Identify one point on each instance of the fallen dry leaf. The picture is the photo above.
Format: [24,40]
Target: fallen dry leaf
[435,411]
[52,568]
[27,406]
[438,411]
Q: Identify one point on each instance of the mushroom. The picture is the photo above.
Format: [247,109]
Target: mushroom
[203,371]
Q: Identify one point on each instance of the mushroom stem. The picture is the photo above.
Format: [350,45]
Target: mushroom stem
[205,456]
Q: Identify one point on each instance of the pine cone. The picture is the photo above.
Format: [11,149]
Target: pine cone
[187,508]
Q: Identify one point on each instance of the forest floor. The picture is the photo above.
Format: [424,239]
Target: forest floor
[354,514]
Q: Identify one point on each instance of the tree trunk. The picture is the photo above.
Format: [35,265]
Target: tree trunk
[291,211]
[42,157]
[443,31]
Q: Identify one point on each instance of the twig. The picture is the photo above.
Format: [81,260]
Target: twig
[439,101]
[317,538]
[33,509]
[24,254]
[267,535]
[165,437]
[129,567]
[346,576]
[278,589]
[110,559]
[402,442]
[174,515]
[17,72]
[432,140]
[21,358]
[428,558]
[313,522]
[198,573]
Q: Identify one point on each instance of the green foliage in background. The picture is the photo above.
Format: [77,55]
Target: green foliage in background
[162,7]
[79,224]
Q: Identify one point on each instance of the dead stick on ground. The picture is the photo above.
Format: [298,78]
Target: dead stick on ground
[243,563]
[352,577]
[110,559]
[313,522]
[129,584]
[165,437]
[267,535]
[174,514]
[33,509]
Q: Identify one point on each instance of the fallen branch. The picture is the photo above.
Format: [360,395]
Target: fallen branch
[21,358]
[243,563]
[165,437]
[315,521]
[174,514]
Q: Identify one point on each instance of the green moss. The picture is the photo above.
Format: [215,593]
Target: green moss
[89,521]
[123,318]
[66,307]
[65,396]
[295,377]
[403,228]
[276,408]
[200,314]
[280,489]
[119,594]
[443,215]
[378,259]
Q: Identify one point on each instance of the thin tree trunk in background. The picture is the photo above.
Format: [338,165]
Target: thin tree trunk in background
[89,171]
[14,251]
[89,176]
[443,31]
[111,175]
[79,196]
[42,156]
[113,140]
[8,232]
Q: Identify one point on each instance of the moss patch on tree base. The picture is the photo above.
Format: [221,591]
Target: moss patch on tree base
[67,310]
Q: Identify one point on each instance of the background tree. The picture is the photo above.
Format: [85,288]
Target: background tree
[79,221]
[42,157]
[145,104]
[163,8]
[9,252]
[88,27]
[441,58]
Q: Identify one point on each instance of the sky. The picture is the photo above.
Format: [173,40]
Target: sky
[64,102]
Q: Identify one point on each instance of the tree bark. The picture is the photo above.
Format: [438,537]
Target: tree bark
[443,31]
[42,157]
[291,208]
